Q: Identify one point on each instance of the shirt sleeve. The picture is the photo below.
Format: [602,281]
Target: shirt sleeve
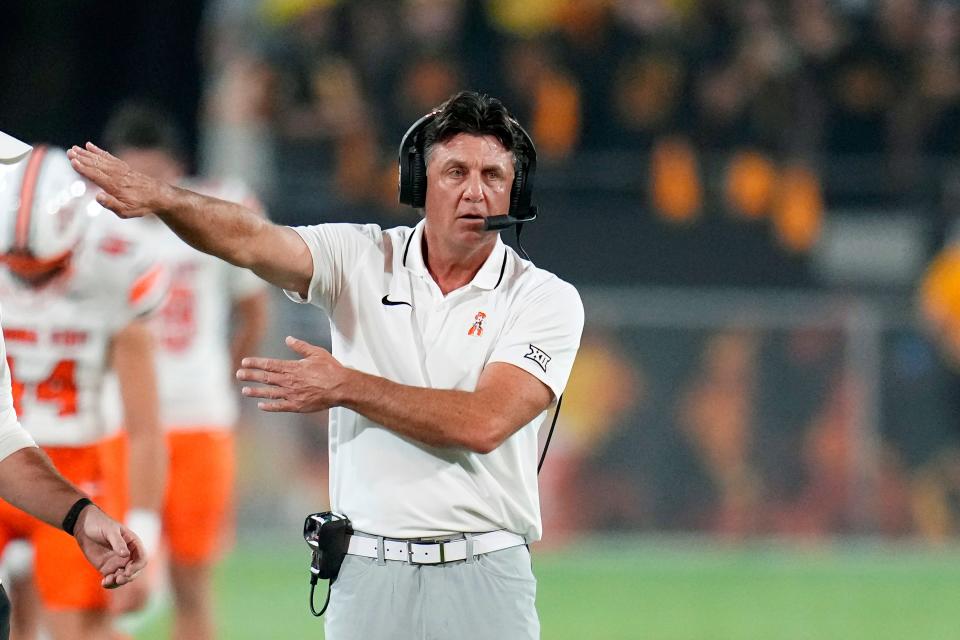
[542,338]
[336,250]
[13,437]
[133,281]
[148,290]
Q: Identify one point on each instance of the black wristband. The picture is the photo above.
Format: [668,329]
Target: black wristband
[70,520]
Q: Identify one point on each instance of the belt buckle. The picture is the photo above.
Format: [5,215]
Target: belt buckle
[410,558]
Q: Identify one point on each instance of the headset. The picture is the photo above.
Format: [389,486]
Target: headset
[413,176]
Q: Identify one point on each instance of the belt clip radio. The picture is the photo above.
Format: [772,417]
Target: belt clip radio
[327,535]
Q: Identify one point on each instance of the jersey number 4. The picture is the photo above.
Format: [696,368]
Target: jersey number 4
[60,388]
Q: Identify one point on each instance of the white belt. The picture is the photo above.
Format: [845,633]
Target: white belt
[438,552]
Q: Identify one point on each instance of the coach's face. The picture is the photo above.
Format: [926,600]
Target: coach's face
[468,179]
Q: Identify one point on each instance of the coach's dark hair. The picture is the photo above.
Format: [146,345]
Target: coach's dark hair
[475,114]
[141,125]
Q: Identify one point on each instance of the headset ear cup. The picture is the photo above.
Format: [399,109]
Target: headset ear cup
[516,192]
[404,180]
[413,171]
[418,181]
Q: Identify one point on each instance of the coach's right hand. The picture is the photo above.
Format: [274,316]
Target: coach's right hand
[126,192]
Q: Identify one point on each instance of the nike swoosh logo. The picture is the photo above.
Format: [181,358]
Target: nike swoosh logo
[394,303]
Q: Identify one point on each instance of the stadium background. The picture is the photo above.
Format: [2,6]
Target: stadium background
[759,439]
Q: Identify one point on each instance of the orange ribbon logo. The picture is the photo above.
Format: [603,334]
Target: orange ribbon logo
[477,328]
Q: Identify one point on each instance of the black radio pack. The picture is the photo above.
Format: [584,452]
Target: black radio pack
[327,534]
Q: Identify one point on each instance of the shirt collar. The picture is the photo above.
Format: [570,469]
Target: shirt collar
[488,277]
[413,251]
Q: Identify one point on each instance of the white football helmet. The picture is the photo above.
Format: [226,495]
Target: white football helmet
[11,149]
[41,216]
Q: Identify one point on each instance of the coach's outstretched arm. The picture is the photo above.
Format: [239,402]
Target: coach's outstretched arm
[223,229]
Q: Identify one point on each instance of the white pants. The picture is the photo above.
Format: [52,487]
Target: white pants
[488,597]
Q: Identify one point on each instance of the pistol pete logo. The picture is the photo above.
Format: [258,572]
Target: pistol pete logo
[539,356]
[477,328]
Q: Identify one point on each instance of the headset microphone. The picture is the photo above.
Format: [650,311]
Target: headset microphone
[498,223]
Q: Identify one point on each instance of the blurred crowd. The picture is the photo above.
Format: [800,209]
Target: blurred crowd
[742,432]
[787,82]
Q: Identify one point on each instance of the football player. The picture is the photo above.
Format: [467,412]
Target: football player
[215,313]
[75,287]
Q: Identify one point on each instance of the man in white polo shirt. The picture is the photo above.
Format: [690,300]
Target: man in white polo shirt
[29,481]
[448,349]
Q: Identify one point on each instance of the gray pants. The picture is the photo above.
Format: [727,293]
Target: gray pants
[489,597]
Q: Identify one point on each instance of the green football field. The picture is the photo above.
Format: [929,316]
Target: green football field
[657,590]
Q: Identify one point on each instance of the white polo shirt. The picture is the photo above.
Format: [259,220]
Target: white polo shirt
[389,318]
[13,437]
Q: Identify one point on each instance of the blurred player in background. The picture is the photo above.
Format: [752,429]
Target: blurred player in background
[936,489]
[29,481]
[939,299]
[196,357]
[74,286]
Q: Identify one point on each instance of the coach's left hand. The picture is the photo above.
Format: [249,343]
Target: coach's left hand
[113,549]
[313,383]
